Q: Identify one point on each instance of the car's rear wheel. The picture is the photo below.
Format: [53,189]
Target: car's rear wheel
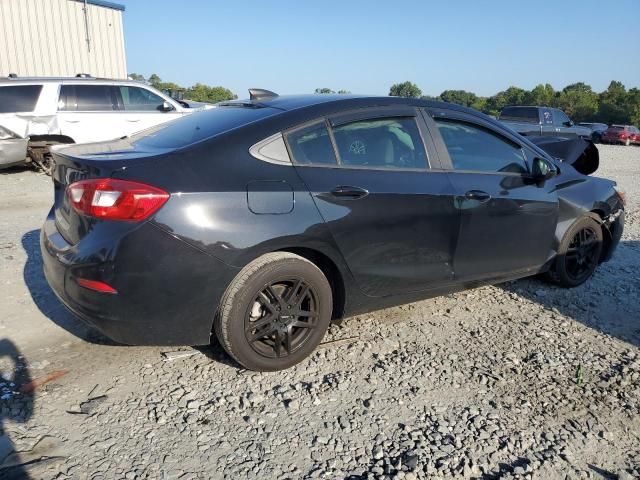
[578,254]
[275,312]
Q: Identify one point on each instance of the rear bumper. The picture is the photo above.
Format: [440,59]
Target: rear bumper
[13,151]
[168,291]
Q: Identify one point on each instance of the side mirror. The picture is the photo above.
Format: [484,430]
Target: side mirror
[569,123]
[542,170]
[166,107]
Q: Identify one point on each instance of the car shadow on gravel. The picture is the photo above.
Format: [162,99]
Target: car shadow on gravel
[46,300]
[609,302]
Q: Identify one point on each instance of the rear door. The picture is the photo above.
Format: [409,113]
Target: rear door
[385,199]
[547,126]
[507,222]
[88,112]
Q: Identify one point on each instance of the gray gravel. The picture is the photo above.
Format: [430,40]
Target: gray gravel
[521,380]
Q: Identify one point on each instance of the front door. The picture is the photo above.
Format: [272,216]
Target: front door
[386,202]
[507,222]
[141,109]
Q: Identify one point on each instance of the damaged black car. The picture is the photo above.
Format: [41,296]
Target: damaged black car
[261,220]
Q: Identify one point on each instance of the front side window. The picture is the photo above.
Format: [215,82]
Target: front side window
[560,118]
[86,98]
[381,143]
[139,99]
[312,145]
[19,98]
[475,148]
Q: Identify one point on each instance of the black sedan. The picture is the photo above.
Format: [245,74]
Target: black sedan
[260,221]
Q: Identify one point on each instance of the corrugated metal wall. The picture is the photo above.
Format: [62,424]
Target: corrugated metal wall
[49,38]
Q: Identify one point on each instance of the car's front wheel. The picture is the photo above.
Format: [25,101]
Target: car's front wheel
[578,254]
[275,312]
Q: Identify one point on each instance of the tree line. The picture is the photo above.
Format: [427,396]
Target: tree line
[614,105]
[197,93]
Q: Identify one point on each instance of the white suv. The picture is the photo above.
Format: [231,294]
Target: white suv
[36,113]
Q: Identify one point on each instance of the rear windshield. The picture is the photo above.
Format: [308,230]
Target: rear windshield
[19,98]
[523,114]
[199,126]
[616,129]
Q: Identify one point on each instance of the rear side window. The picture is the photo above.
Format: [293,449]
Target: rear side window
[19,98]
[393,143]
[522,114]
[311,145]
[475,148]
[139,99]
[86,98]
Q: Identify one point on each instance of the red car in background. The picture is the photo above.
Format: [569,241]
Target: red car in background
[625,134]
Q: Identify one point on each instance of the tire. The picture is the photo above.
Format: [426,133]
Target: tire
[578,254]
[256,321]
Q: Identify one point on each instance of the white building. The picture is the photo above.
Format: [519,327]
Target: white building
[62,38]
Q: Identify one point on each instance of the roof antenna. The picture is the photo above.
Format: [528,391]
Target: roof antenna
[260,93]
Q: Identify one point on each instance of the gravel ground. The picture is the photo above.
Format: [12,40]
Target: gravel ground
[521,380]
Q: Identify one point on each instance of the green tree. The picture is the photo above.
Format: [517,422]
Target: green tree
[541,95]
[343,92]
[204,93]
[154,80]
[324,90]
[405,89]
[634,106]
[578,101]
[510,96]
[460,97]
[137,76]
[612,104]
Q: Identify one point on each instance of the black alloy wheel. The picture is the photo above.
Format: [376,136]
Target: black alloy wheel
[582,255]
[281,318]
[275,312]
[578,254]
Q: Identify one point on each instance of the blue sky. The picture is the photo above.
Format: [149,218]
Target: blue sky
[366,46]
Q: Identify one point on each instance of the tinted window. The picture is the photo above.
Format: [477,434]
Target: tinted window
[86,98]
[139,99]
[559,118]
[472,147]
[523,114]
[19,98]
[311,145]
[381,143]
[199,126]
[547,118]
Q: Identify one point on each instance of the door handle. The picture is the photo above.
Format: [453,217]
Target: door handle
[478,195]
[72,121]
[133,120]
[346,191]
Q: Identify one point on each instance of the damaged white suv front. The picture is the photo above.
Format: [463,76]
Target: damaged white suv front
[13,148]
[37,113]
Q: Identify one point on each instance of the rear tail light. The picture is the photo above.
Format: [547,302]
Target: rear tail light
[113,199]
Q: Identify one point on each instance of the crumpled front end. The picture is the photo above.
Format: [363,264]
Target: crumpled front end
[581,154]
[13,148]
